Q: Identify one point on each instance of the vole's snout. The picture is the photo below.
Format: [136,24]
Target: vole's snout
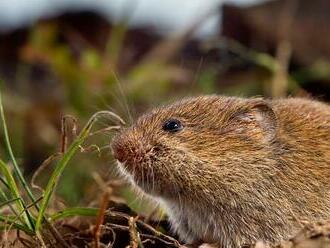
[119,151]
[128,147]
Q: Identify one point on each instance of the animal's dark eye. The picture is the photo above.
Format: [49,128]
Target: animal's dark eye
[172,126]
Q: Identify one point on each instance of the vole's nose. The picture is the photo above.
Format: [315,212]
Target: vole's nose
[127,146]
[119,150]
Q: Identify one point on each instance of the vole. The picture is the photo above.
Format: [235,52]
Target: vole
[230,171]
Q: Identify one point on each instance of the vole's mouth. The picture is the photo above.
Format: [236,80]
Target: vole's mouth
[141,175]
[136,158]
[119,153]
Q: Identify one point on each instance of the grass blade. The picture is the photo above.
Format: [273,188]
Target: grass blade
[51,185]
[4,197]
[76,211]
[14,191]
[3,181]
[12,221]
[56,174]
[17,170]
[8,202]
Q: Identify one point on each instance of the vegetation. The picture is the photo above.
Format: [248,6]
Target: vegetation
[73,198]
[22,216]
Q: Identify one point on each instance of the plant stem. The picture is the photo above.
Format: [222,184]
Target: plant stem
[12,221]
[58,171]
[52,182]
[17,170]
[14,191]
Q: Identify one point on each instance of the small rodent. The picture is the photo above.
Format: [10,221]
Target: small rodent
[230,171]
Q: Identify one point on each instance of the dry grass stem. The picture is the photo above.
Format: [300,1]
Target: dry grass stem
[133,233]
[100,219]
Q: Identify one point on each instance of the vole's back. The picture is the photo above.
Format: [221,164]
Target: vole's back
[304,149]
[303,120]
[304,129]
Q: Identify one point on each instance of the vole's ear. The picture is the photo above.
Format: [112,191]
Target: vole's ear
[259,111]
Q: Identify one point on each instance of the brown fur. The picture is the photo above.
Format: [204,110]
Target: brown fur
[241,170]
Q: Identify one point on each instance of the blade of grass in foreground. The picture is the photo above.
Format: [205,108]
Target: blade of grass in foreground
[8,202]
[11,221]
[76,211]
[4,197]
[56,174]
[64,161]
[17,170]
[15,193]
[4,183]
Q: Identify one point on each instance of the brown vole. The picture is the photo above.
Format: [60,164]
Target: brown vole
[229,170]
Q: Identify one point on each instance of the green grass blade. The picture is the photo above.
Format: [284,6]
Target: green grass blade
[57,173]
[76,211]
[8,202]
[51,185]
[12,221]
[64,161]
[2,192]
[17,170]
[3,181]
[15,193]
[4,197]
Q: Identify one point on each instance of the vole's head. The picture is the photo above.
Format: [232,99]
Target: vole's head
[188,145]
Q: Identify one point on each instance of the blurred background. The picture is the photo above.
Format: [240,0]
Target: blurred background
[75,57]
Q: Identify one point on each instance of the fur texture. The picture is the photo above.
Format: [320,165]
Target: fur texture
[239,171]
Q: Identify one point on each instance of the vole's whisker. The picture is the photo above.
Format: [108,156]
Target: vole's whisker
[142,173]
[146,175]
[121,91]
[150,176]
[153,177]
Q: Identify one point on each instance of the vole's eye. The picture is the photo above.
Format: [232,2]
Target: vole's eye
[172,126]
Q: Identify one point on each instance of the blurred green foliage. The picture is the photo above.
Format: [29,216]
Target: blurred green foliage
[90,80]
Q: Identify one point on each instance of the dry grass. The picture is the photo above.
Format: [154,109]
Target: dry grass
[126,229]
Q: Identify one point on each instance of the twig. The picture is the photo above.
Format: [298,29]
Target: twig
[146,227]
[64,135]
[135,241]
[110,244]
[57,235]
[147,236]
[150,237]
[100,219]
[90,148]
